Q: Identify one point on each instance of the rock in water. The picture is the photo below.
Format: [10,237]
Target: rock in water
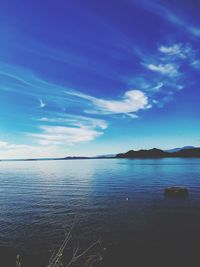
[176,191]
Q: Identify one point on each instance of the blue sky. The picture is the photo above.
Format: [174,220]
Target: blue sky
[96,77]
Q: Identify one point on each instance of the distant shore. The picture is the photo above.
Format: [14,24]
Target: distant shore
[151,153]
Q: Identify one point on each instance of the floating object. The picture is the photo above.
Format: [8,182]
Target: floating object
[176,191]
[127,198]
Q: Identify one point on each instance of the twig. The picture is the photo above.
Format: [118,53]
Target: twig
[56,257]
[76,257]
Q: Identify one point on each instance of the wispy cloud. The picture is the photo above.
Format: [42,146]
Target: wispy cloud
[21,80]
[60,135]
[75,120]
[132,101]
[161,9]
[171,50]
[65,129]
[54,136]
[194,30]
[61,128]
[22,151]
[177,51]
[166,69]
[72,58]
[196,64]
[42,104]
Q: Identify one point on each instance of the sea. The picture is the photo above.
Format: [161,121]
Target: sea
[118,201]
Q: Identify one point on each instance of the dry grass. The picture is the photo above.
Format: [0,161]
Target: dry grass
[77,254]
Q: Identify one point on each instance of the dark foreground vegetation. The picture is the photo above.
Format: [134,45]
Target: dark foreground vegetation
[171,240]
[174,250]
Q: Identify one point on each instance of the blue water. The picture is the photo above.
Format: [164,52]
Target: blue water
[112,198]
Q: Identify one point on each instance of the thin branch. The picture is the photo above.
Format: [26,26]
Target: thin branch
[76,258]
[56,257]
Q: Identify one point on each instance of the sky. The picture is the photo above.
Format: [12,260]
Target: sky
[85,77]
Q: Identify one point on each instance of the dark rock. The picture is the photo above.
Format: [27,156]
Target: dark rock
[176,191]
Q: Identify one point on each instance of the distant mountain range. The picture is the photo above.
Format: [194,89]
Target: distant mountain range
[186,151]
[179,148]
[158,153]
[105,156]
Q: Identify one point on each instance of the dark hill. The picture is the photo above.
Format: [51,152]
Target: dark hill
[179,148]
[158,153]
[192,152]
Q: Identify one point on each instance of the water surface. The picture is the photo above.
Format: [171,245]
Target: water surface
[120,200]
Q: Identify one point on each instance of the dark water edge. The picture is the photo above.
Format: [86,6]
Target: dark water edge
[178,244]
[181,251]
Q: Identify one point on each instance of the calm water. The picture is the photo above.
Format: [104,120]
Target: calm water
[117,199]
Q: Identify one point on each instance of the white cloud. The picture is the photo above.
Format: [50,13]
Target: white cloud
[196,64]
[76,120]
[169,71]
[132,115]
[171,50]
[166,69]
[195,31]
[54,139]
[132,101]
[182,51]
[21,151]
[61,135]
[43,119]
[147,85]
[42,104]
[157,87]
[3,144]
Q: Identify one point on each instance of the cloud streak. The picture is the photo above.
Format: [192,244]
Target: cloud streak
[66,129]
[42,104]
[17,79]
[132,101]
[163,11]
[60,135]
[22,151]
[75,121]
[166,69]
